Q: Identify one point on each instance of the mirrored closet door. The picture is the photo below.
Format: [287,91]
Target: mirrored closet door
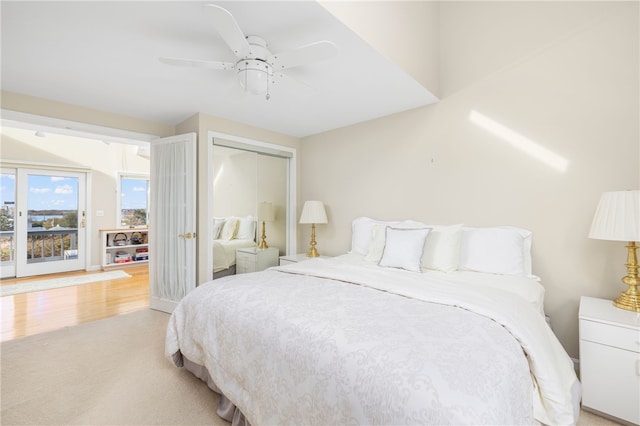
[249,187]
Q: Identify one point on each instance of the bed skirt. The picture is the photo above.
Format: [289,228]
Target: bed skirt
[231,270]
[226,409]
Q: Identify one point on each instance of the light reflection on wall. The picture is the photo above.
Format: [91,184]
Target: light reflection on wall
[520,142]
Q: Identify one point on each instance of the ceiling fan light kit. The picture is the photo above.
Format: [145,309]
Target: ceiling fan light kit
[255,67]
[254,76]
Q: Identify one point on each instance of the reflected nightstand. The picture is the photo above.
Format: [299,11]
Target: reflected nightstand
[254,259]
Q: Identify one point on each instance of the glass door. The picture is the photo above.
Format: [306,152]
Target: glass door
[51,222]
[7,223]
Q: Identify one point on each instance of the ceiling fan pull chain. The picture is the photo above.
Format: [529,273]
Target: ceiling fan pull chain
[268,96]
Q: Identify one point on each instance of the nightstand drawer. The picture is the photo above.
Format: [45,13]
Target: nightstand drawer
[611,380]
[245,257]
[254,259]
[606,334]
[245,262]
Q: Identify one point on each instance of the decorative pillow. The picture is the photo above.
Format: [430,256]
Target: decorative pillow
[217,226]
[442,249]
[403,248]
[379,236]
[500,250]
[229,229]
[246,228]
[362,233]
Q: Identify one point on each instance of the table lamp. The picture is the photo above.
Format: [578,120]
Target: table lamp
[313,212]
[617,218]
[266,213]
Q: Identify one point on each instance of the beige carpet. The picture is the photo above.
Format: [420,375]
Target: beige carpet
[109,372]
[106,372]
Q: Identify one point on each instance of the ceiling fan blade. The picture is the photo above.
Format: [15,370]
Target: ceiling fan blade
[198,63]
[230,31]
[280,76]
[304,55]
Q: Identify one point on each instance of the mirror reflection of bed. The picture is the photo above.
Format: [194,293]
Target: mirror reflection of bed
[243,179]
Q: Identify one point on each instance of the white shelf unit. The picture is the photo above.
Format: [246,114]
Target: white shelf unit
[110,249]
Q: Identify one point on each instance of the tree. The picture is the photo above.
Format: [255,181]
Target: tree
[69,220]
[139,217]
[6,220]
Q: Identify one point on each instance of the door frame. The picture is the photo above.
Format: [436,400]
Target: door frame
[22,267]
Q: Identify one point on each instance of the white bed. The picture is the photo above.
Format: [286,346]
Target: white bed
[347,341]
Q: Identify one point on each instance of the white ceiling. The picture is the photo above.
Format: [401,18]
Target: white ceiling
[104,55]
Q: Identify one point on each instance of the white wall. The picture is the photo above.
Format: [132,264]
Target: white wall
[563,76]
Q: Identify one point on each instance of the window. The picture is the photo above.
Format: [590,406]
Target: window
[134,200]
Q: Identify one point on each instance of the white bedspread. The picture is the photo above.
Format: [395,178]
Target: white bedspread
[224,252]
[302,344]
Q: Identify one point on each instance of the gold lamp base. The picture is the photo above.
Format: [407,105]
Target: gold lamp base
[263,242]
[313,252]
[630,299]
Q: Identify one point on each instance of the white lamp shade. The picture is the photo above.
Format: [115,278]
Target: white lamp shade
[313,212]
[617,217]
[266,212]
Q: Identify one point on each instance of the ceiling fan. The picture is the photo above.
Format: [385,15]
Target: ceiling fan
[257,68]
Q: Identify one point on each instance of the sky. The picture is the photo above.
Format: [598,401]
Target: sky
[134,194]
[47,192]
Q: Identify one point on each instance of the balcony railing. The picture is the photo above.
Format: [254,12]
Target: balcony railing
[43,245]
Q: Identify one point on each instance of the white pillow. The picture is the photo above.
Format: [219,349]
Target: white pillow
[442,249]
[362,233]
[379,235]
[229,229]
[403,248]
[246,228]
[500,250]
[217,226]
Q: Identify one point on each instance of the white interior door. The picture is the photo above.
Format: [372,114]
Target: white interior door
[172,229]
[50,221]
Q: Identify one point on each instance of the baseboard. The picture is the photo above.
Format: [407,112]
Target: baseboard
[162,305]
[93,268]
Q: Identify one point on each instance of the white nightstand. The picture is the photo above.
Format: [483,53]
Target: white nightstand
[610,359]
[254,259]
[295,258]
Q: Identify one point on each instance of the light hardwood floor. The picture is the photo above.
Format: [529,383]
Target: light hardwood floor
[27,314]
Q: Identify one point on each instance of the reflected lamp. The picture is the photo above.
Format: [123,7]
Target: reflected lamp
[617,218]
[314,213]
[266,213]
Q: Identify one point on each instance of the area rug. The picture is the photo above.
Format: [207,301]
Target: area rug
[39,285]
